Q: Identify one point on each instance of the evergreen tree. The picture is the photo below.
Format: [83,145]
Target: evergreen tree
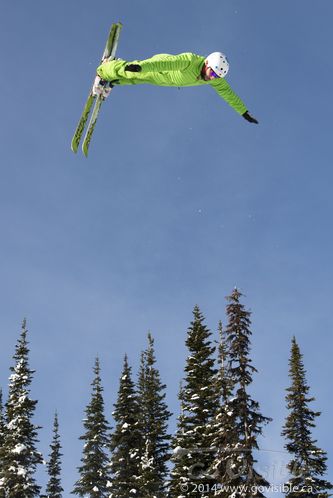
[20,456]
[2,425]
[94,480]
[154,424]
[308,461]
[54,489]
[126,441]
[224,382]
[223,429]
[235,461]
[192,443]
[2,439]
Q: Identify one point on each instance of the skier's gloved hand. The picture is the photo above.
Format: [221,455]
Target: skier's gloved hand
[249,118]
[133,68]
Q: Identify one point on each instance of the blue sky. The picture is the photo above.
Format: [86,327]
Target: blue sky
[179,201]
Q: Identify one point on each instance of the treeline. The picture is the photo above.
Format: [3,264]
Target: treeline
[213,451]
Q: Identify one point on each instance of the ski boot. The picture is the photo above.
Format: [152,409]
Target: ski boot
[101,88]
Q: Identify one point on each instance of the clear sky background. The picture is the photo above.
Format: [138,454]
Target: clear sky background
[179,201]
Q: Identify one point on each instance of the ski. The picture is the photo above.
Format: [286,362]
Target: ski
[109,53]
[91,126]
[82,123]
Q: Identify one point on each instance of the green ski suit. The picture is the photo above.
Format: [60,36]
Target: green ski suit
[169,70]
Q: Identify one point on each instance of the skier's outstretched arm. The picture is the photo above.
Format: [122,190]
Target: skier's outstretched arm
[224,90]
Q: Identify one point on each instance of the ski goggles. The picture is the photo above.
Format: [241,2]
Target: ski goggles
[212,73]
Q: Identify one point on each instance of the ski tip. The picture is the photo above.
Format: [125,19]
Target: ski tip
[85,150]
[74,147]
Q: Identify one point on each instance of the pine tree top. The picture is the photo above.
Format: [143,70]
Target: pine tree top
[126,440]
[55,445]
[95,421]
[22,374]
[54,488]
[94,471]
[238,339]
[126,408]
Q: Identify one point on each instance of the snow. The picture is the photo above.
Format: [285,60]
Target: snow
[95,489]
[179,451]
[21,471]
[148,464]
[19,448]
[12,424]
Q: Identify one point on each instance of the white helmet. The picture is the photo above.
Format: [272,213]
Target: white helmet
[218,62]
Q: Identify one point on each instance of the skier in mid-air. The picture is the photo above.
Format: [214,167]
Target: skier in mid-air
[185,69]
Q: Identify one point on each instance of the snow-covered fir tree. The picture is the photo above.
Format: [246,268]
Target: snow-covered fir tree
[2,425]
[193,454]
[308,463]
[235,461]
[224,382]
[126,440]
[154,425]
[2,438]
[20,457]
[222,425]
[94,480]
[54,488]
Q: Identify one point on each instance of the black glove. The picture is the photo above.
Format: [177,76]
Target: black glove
[133,68]
[105,83]
[249,118]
